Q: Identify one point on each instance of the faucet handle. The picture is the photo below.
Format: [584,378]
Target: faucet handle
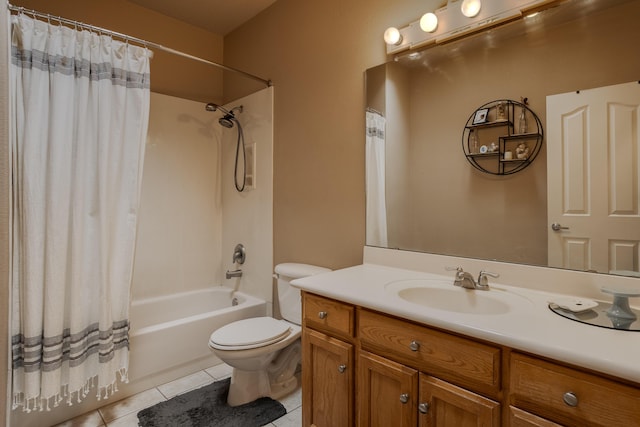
[459,274]
[483,281]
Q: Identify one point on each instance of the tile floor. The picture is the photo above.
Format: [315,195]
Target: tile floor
[123,413]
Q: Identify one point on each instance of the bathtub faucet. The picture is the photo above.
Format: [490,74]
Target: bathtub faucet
[234,273]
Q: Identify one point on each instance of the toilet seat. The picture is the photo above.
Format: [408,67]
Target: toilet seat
[250,333]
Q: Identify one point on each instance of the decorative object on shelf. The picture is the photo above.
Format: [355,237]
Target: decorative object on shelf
[481,116]
[522,151]
[514,150]
[473,142]
[500,111]
[522,120]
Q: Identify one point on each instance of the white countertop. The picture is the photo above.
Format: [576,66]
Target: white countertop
[531,326]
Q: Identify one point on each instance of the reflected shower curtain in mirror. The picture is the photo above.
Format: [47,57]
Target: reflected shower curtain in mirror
[375,180]
[79,117]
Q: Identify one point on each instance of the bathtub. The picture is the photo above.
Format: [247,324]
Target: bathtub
[174,330]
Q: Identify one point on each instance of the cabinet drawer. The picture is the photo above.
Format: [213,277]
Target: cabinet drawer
[571,397]
[328,315]
[465,362]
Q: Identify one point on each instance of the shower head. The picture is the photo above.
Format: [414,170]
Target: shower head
[229,116]
[227,120]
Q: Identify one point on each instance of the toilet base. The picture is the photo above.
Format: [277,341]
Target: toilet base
[276,381]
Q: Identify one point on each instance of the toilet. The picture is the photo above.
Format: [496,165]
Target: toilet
[265,352]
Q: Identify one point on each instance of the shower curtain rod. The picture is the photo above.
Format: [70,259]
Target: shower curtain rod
[48,17]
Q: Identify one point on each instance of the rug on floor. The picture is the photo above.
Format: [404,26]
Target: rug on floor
[207,407]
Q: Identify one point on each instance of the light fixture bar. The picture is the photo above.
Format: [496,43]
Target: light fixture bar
[451,24]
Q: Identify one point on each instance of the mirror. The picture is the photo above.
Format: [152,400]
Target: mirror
[433,199]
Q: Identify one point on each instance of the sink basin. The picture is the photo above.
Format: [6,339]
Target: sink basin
[443,295]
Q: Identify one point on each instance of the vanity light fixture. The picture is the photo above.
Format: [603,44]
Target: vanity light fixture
[429,22]
[392,36]
[458,19]
[470,8]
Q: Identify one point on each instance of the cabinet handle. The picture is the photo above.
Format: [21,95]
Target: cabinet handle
[342,368]
[423,408]
[414,346]
[322,314]
[570,399]
[404,397]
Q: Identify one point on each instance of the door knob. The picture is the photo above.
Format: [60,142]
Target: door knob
[557,227]
[423,408]
[342,368]
[404,397]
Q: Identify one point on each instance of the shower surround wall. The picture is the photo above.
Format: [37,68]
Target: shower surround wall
[191,217]
[179,247]
[248,216]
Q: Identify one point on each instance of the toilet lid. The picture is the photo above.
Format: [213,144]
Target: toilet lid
[249,333]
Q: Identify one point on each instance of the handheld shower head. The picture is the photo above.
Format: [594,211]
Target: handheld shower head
[211,106]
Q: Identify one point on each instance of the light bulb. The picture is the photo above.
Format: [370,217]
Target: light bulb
[429,22]
[470,8]
[392,36]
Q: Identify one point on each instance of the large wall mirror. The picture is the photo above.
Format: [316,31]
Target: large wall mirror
[423,195]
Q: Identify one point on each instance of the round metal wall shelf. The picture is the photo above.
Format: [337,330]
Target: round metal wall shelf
[493,130]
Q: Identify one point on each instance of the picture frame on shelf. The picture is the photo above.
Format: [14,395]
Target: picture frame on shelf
[481,116]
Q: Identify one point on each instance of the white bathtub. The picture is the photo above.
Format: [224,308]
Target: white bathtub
[174,330]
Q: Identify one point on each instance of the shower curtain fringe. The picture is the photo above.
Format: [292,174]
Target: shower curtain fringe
[126,38]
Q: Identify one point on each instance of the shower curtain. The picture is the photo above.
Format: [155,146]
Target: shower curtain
[79,116]
[376,223]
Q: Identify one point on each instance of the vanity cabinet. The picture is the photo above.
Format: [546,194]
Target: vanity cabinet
[387,392]
[392,394]
[328,363]
[365,368]
[569,396]
[406,376]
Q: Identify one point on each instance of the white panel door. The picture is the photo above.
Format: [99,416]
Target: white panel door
[593,150]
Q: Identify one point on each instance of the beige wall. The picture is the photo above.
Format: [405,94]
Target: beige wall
[316,53]
[170,74]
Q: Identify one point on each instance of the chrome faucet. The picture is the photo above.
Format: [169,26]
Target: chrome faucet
[466,280]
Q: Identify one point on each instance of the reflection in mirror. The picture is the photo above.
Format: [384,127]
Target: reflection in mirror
[433,199]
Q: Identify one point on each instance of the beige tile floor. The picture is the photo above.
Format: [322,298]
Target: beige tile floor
[123,413]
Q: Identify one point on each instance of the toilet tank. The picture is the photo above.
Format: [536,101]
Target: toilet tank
[288,296]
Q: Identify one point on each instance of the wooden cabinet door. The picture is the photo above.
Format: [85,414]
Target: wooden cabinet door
[448,405]
[520,418]
[327,381]
[387,392]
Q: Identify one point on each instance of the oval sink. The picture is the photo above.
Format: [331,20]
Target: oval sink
[445,296]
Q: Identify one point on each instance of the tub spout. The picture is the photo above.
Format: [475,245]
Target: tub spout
[234,273]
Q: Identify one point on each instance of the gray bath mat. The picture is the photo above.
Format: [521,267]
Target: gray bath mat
[207,407]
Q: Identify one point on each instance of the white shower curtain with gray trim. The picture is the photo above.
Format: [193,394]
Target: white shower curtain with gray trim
[376,209]
[79,112]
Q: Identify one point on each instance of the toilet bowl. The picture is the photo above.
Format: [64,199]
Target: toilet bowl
[265,352]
